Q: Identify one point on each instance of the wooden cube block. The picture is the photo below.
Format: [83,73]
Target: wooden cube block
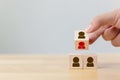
[76,61]
[90,61]
[81,40]
[81,44]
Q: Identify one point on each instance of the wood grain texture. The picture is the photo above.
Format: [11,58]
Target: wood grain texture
[56,67]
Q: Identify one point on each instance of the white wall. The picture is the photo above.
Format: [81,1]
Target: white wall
[47,26]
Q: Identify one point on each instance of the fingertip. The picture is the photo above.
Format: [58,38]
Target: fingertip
[91,38]
[91,41]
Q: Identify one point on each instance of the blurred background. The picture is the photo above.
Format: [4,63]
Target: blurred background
[47,26]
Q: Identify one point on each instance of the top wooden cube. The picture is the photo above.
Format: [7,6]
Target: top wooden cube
[80,35]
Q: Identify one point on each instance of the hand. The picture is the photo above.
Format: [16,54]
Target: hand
[107,25]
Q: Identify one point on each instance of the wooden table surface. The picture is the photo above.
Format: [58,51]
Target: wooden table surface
[56,67]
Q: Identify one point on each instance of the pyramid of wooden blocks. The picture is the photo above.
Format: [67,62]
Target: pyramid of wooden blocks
[81,40]
[86,61]
[80,61]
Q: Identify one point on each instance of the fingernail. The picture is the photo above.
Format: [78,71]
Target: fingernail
[89,29]
[91,38]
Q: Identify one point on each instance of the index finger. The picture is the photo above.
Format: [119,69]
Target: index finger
[102,20]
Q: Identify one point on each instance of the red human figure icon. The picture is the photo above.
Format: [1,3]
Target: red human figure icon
[81,45]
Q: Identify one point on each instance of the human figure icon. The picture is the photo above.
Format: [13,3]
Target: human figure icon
[76,62]
[90,62]
[81,45]
[81,35]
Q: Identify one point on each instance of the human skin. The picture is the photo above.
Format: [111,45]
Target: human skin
[107,25]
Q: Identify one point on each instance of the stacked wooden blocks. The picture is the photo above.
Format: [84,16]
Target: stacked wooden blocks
[81,40]
[80,61]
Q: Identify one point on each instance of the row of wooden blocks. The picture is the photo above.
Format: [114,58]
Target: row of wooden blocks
[83,61]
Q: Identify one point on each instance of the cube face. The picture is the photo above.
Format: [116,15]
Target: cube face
[76,61]
[81,40]
[80,35]
[81,44]
[90,61]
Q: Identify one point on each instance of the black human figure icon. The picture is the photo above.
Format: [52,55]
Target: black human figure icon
[90,62]
[76,62]
[81,35]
